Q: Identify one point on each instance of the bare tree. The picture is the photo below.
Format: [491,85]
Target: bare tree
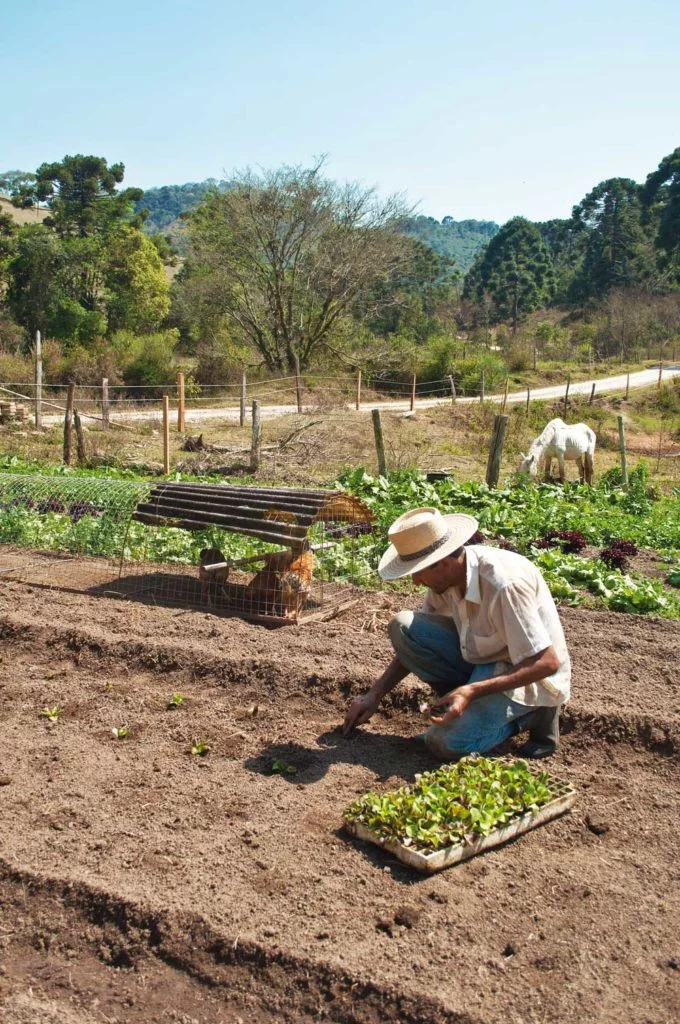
[286,255]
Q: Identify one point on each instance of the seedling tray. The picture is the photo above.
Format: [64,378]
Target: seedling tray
[436,860]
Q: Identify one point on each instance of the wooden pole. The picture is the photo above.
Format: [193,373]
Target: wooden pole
[166,434]
[481,386]
[627,385]
[105,402]
[242,414]
[358,398]
[493,466]
[180,403]
[38,380]
[505,395]
[453,389]
[298,385]
[658,383]
[528,399]
[566,395]
[80,438]
[413,391]
[68,423]
[592,393]
[379,442]
[622,448]
[256,442]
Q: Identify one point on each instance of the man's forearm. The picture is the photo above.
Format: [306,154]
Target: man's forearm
[393,674]
[531,670]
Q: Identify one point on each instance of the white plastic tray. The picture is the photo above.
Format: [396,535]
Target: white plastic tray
[449,855]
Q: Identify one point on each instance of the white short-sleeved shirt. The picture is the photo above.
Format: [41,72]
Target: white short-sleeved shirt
[507,614]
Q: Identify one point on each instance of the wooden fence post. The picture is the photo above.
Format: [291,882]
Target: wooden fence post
[105,403]
[493,466]
[379,442]
[166,434]
[413,391]
[627,385]
[298,385]
[592,393]
[453,389]
[622,447]
[180,403]
[528,399]
[242,414]
[481,386]
[256,442]
[80,438]
[505,395]
[358,396]
[38,380]
[566,395]
[68,423]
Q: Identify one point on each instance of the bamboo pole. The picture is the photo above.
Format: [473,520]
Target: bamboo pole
[180,403]
[622,449]
[166,434]
[453,389]
[627,385]
[242,413]
[256,443]
[592,393]
[80,438]
[68,423]
[38,380]
[105,402]
[505,395]
[493,466]
[379,442]
[298,385]
[528,399]
[358,393]
[413,391]
[566,394]
[481,386]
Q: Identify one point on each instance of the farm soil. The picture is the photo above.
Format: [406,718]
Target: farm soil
[141,883]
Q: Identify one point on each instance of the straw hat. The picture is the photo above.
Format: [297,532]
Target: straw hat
[422,537]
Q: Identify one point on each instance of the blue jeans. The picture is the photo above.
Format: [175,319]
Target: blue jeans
[429,646]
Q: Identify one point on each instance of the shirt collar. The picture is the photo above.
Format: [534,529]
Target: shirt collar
[472,591]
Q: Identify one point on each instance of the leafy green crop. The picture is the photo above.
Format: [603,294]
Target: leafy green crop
[455,804]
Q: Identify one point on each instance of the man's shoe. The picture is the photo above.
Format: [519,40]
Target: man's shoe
[544,732]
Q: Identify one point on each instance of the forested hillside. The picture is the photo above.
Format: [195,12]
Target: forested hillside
[460,240]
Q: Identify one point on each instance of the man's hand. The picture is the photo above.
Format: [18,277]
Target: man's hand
[453,705]
[360,710]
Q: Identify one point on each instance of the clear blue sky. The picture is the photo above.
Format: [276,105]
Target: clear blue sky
[472,109]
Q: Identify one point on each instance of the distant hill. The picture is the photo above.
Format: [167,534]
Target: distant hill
[30,216]
[460,239]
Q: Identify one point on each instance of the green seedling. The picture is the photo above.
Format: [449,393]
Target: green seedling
[176,701]
[280,767]
[453,805]
[121,733]
[199,747]
[52,714]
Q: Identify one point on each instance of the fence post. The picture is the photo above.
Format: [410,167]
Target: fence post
[453,389]
[80,438]
[528,399]
[298,385]
[566,395]
[493,466]
[256,442]
[358,398]
[627,385]
[166,434]
[105,403]
[38,380]
[379,442]
[658,383]
[622,447]
[242,414]
[413,391]
[180,403]
[505,395]
[592,393]
[481,386]
[68,423]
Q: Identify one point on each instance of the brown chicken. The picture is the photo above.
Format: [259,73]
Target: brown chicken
[211,582]
[283,586]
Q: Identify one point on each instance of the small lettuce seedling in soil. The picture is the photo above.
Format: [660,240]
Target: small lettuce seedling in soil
[199,747]
[52,714]
[280,767]
[121,733]
[176,701]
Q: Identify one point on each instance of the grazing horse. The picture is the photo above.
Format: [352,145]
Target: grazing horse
[561,441]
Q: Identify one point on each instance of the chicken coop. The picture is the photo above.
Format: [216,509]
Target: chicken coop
[270,555]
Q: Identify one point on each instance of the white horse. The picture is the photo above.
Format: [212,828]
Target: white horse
[561,441]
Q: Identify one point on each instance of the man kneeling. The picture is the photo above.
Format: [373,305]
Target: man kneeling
[488,639]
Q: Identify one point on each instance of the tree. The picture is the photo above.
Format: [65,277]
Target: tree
[661,200]
[288,254]
[514,273]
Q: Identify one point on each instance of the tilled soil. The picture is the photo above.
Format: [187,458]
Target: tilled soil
[141,883]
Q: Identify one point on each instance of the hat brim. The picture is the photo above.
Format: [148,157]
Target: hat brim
[462,527]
